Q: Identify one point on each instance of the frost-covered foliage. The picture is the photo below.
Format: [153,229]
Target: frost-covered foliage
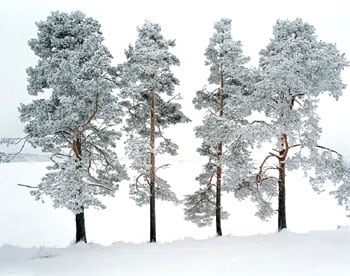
[147,87]
[332,167]
[342,193]
[295,69]
[75,119]
[200,206]
[4,157]
[226,131]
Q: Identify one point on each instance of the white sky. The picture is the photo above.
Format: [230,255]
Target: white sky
[191,24]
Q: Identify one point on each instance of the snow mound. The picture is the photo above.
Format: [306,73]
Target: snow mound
[315,253]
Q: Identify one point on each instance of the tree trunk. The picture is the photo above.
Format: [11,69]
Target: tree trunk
[282,220]
[218,201]
[153,237]
[219,167]
[152,174]
[80,227]
[80,233]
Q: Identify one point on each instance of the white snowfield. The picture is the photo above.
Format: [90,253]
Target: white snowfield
[321,253]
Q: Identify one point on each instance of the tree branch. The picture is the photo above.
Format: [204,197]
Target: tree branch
[260,173]
[328,149]
[27,186]
[203,195]
[164,166]
[75,142]
[320,147]
[137,180]
[15,141]
[101,186]
[172,98]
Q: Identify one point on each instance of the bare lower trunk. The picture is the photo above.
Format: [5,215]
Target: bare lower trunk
[80,233]
[153,237]
[80,227]
[282,220]
[218,201]
[152,174]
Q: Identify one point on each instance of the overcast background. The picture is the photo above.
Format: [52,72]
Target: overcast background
[191,24]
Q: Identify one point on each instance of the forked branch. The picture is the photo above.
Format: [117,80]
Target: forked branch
[76,140]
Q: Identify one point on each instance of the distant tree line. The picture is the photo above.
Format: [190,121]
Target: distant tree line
[88,104]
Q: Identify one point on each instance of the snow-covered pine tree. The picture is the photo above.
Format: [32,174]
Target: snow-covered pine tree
[296,69]
[148,89]
[74,120]
[225,129]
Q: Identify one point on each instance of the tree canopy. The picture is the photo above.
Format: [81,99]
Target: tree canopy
[74,120]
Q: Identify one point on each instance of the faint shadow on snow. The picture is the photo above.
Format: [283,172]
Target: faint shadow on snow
[45,253]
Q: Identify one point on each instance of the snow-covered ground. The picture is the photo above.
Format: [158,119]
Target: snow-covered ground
[35,238]
[322,253]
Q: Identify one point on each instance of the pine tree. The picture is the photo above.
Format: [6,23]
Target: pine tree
[225,130]
[148,89]
[74,120]
[295,70]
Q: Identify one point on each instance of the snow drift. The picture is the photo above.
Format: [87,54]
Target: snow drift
[320,253]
